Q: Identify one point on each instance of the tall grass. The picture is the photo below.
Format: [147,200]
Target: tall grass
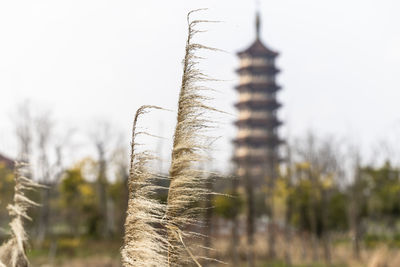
[144,244]
[13,252]
[187,182]
[157,234]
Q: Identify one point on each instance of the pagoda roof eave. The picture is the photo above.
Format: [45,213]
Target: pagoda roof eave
[270,87]
[259,104]
[257,48]
[9,163]
[258,69]
[274,122]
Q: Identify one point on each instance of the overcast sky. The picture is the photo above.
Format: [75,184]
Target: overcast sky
[84,60]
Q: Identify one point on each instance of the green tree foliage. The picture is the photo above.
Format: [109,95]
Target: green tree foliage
[228,206]
[337,211]
[118,194]
[78,202]
[381,188]
[318,203]
[6,191]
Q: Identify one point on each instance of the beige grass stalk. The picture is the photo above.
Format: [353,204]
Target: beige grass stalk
[144,245]
[187,183]
[13,252]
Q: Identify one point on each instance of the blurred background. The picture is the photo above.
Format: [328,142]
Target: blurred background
[72,75]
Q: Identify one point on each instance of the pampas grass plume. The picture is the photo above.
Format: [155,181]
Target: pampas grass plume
[144,244]
[187,182]
[13,252]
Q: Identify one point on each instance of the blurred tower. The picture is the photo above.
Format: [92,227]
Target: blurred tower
[257,142]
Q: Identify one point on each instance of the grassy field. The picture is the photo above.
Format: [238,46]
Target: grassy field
[75,252]
[89,253]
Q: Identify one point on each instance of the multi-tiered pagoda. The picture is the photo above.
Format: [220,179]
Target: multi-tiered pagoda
[257,141]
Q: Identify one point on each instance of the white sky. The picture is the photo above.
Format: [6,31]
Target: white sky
[90,59]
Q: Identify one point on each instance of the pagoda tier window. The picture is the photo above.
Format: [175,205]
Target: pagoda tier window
[256,78]
[257,132]
[256,61]
[261,96]
[247,114]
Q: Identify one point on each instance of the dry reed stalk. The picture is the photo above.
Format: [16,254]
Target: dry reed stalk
[13,252]
[144,244]
[383,257]
[187,182]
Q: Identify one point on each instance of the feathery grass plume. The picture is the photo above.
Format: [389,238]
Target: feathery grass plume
[13,252]
[187,183]
[144,244]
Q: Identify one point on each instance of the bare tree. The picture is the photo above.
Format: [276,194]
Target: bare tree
[49,167]
[271,179]
[249,188]
[102,138]
[289,206]
[323,157]
[120,162]
[356,202]
[44,131]
[23,131]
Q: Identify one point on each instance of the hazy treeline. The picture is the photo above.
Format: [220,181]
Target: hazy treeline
[324,193]
[87,197]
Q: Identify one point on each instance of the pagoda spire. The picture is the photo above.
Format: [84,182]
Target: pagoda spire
[258,25]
